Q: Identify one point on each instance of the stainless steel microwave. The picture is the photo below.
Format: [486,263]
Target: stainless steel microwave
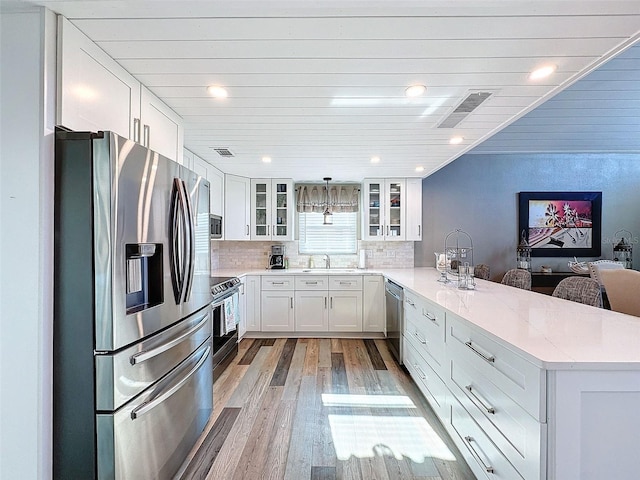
[215,226]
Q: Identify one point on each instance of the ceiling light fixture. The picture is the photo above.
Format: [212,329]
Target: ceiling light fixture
[542,72]
[217,91]
[375,159]
[419,169]
[415,90]
[455,140]
[327,215]
[266,159]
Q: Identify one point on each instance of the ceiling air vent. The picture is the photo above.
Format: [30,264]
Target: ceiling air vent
[224,152]
[467,106]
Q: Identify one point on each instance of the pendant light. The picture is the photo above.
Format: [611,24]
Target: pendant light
[328,216]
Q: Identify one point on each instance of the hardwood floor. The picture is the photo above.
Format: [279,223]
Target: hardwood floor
[321,409]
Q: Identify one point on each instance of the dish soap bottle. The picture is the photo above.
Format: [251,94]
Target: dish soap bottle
[311,264]
[286,262]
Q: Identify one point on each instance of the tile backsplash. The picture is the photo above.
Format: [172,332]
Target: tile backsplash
[255,255]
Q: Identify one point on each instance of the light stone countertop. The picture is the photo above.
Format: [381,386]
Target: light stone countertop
[552,333]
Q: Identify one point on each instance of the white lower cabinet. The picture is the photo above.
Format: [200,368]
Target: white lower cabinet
[242,308]
[491,400]
[373,311]
[345,311]
[252,294]
[312,313]
[277,311]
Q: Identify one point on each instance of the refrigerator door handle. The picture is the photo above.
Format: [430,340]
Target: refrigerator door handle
[147,406]
[191,241]
[147,354]
[176,241]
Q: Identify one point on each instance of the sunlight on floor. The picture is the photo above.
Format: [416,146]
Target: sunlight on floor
[348,400]
[369,434]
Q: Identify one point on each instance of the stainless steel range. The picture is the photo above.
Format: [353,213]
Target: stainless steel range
[226,316]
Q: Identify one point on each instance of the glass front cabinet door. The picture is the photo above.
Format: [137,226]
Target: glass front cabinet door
[272,209]
[384,209]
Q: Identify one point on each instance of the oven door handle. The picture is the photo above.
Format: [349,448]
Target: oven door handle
[220,302]
[147,354]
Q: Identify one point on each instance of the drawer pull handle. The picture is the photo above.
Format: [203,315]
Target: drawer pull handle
[429,316]
[422,341]
[311,283]
[277,283]
[420,372]
[346,283]
[488,358]
[484,405]
[487,468]
[408,300]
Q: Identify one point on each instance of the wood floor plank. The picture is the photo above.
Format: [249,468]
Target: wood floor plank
[292,382]
[339,382]
[312,357]
[324,353]
[254,456]
[282,369]
[374,355]
[324,453]
[303,431]
[251,352]
[323,473]
[201,464]
[336,345]
[279,441]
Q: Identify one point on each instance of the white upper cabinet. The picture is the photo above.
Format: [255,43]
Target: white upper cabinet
[384,209]
[96,93]
[272,209]
[216,183]
[414,209]
[187,158]
[160,127]
[237,208]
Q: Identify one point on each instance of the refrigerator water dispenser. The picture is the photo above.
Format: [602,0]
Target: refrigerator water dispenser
[144,282]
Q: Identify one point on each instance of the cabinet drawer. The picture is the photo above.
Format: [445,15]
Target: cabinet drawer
[430,384]
[312,282]
[517,378]
[429,336]
[481,454]
[279,282]
[514,431]
[345,282]
[418,307]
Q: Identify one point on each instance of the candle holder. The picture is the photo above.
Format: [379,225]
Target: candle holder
[523,253]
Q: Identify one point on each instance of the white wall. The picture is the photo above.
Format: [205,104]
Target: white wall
[27,49]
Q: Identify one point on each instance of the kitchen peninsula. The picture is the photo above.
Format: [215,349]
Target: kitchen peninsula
[532,386]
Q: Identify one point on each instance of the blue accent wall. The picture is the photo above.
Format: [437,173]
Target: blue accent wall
[478,193]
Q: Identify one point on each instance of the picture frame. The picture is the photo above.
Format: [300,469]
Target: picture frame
[561,224]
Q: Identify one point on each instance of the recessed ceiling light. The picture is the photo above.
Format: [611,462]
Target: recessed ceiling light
[217,91]
[415,90]
[542,72]
[419,169]
[266,159]
[375,159]
[455,140]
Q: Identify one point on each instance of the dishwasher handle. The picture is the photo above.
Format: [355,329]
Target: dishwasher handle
[393,294]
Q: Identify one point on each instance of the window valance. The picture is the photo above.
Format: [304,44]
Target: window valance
[313,197]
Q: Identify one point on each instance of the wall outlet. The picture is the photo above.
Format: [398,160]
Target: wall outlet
[391,253]
[369,253]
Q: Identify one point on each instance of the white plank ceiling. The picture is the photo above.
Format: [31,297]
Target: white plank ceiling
[318,86]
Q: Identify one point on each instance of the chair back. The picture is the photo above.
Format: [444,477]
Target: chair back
[579,289]
[596,267]
[481,271]
[623,290]
[516,277]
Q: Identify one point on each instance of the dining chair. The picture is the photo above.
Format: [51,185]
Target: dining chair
[579,289]
[594,272]
[623,290]
[517,277]
[481,271]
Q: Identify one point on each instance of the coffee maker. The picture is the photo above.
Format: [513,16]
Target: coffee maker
[276,258]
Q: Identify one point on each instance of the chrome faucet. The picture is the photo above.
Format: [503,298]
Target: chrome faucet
[327,261]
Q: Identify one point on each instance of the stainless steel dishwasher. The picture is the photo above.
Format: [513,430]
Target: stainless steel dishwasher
[395,318]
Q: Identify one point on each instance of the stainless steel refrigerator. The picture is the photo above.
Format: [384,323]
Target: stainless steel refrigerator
[132,315]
